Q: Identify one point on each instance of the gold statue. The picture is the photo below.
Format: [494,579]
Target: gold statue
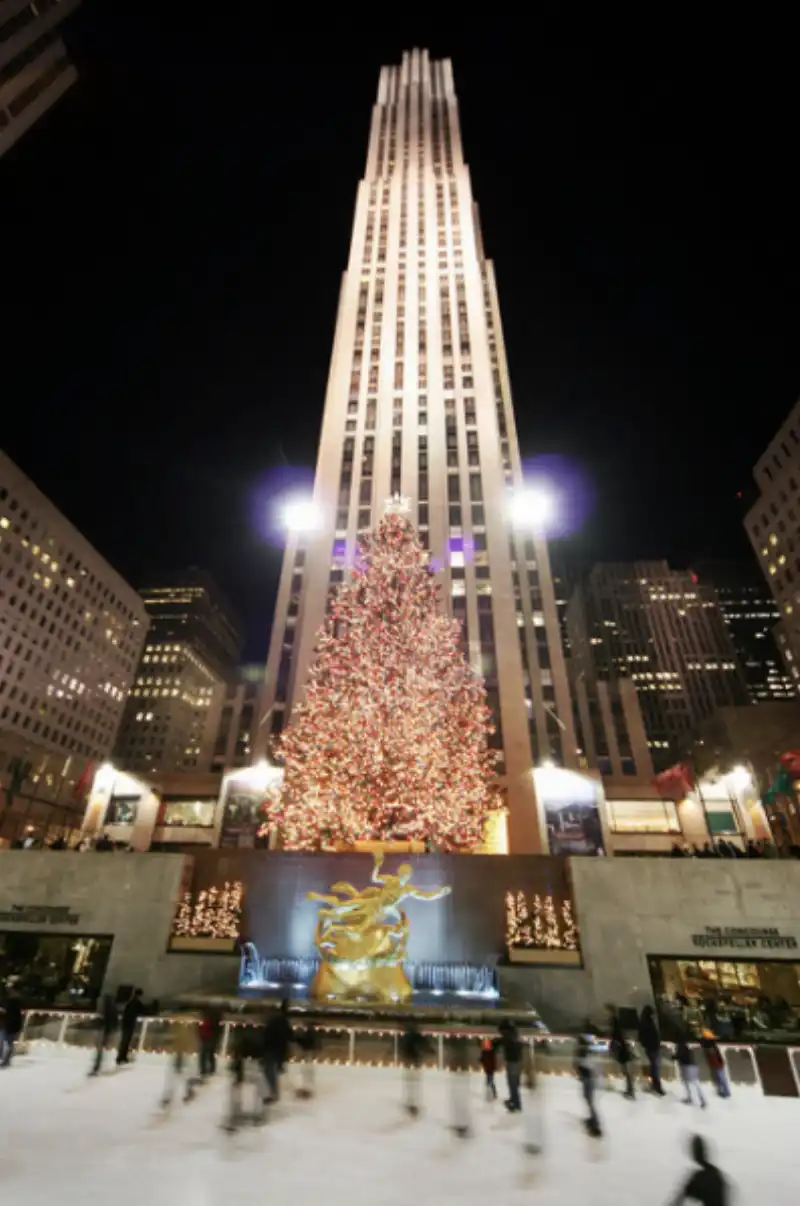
[362,936]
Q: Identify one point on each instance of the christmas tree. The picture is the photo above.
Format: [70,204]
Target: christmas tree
[391,740]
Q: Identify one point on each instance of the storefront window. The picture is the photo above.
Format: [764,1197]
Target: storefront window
[643,816]
[721,820]
[122,810]
[738,999]
[53,969]
[190,812]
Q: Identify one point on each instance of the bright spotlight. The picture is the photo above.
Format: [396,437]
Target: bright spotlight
[301,515]
[739,778]
[532,507]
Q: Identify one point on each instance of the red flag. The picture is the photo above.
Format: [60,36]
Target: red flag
[676,782]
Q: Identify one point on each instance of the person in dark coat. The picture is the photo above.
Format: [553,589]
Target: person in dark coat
[134,1008]
[587,1074]
[106,1029]
[12,1026]
[277,1037]
[308,1043]
[650,1039]
[511,1047]
[707,1184]
[620,1050]
[412,1048]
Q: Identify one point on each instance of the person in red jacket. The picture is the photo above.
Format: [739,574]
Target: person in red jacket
[489,1065]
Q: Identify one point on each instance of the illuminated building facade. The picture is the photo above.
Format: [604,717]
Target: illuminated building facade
[773,526]
[665,631]
[418,403]
[173,714]
[34,68]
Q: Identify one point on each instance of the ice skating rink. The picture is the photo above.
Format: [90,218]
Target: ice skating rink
[65,1138]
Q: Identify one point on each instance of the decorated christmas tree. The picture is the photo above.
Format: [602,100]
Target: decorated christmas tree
[391,740]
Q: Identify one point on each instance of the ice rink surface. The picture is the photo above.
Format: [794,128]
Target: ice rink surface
[65,1138]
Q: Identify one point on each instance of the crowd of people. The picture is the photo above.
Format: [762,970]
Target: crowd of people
[725,849]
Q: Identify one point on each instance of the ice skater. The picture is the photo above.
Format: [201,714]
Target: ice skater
[650,1041]
[511,1046]
[245,1065]
[179,1067]
[689,1071]
[716,1063]
[586,1071]
[134,1008]
[277,1036]
[707,1184]
[489,1065]
[308,1043]
[459,1087]
[412,1048]
[106,1028]
[11,1027]
[620,1050]
[533,1114]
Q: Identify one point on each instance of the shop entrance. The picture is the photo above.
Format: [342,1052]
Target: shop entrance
[54,969]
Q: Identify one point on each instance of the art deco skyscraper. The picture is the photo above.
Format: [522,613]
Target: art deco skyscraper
[418,404]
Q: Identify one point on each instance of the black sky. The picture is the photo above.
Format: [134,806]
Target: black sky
[173,233]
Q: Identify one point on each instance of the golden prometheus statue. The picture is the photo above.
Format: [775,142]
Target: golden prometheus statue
[362,937]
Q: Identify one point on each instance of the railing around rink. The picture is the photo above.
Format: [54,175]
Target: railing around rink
[378,1046]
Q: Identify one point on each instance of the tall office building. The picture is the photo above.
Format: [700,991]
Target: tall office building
[71,631]
[773,526]
[418,404]
[34,68]
[750,614]
[664,630]
[193,646]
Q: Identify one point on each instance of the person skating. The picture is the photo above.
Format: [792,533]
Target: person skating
[276,1040]
[650,1039]
[208,1031]
[689,1072]
[134,1008]
[489,1065]
[532,1115]
[12,1027]
[511,1047]
[459,1086]
[620,1050]
[179,1068]
[106,1028]
[716,1063]
[707,1184]
[586,1072]
[246,1049]
[308,1043]
[412,1048]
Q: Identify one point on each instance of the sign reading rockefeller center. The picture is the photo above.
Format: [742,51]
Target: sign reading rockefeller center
[745,938]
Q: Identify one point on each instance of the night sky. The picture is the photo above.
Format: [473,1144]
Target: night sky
[172,236]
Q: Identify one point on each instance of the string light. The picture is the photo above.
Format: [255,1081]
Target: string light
[216,913]
[391,742]
[543,926]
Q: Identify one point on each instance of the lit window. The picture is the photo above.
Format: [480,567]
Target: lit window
[5,523]
[458,587]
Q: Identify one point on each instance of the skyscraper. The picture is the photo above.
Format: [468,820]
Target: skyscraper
[34,67]
[418,403]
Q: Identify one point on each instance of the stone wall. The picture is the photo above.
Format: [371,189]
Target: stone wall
[130,897]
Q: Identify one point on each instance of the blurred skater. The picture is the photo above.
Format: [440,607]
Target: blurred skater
[11,1027]
[586,1071]
[511,1046]
[179,1067]
[689,1071]
[276,1040]
[650,1040]
[106,1028]
[533,1114]
[412,1048]
[134,1008]
[459,1086]
[209,1035]
[246,1057]
[489,1065]
[308,1043]
[620,1050]
[707,1184]
[716,1063]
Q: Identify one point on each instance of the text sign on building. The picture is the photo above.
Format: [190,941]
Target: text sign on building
[40,915]
[744,938]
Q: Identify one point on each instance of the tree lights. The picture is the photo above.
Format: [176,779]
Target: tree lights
[391,740]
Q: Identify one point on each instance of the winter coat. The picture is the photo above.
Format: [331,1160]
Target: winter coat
[12,1021]
[713,1054]
[277,1036]
[684,1056]
[649,1036]
[488,1060]
[511,1045]
[620,1048]
[133,1010]
[412,1046]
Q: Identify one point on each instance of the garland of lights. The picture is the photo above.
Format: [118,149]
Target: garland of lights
[391,742]
[217,913]
[542,926]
